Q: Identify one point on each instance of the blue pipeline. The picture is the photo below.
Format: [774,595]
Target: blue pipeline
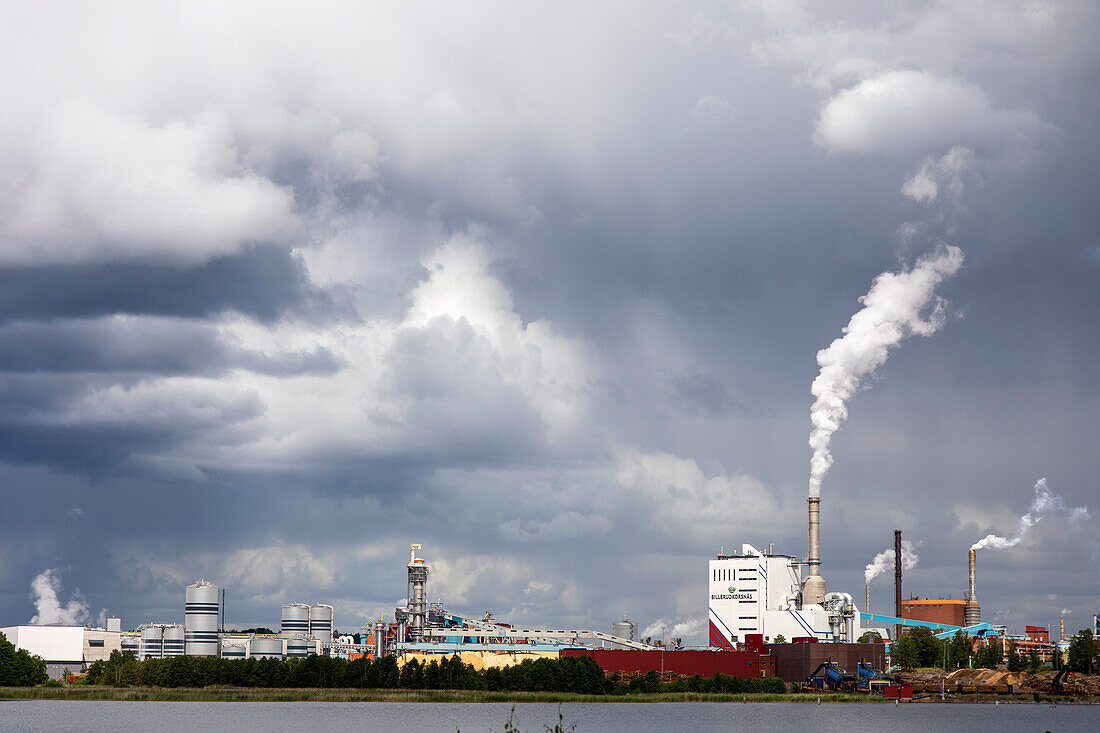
[945,630]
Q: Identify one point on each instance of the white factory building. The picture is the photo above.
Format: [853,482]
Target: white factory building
[754,592]
[305,630]
[66,647]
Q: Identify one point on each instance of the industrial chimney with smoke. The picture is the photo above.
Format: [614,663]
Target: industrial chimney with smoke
[813,588]
[973,612]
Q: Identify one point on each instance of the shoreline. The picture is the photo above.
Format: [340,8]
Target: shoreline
[253,694]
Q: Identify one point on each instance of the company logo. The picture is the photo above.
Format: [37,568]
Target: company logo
[732,589]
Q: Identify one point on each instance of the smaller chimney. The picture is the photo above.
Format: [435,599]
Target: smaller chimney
[897,579]
[1061,629]
[972,614]
[813,587]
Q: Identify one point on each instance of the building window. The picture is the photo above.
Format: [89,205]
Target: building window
[95,642]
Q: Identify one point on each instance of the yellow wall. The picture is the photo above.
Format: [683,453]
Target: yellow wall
[482,660]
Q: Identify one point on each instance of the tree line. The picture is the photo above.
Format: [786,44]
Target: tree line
[568,674]
[18,668]
[920,648]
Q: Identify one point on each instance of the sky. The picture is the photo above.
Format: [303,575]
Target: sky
[285,287]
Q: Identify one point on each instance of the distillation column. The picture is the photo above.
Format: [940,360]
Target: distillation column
[418,606]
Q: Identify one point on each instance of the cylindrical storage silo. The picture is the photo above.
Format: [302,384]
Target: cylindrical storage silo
[201,613]
[233,651]
[131,643]
[173,641]
[625,629]
[295,620]
[299,646]
[320,622]
[151,644]
[266,646]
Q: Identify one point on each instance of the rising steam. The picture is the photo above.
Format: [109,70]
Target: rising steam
[884,561]
[682,630]
[44,589]
[1044,503]
[898,305]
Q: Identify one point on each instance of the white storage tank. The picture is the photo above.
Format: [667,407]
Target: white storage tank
[151,642]
[266,646]
[233,651]
[625,629]
[295,620]
[201,613]
[131,643]
[173,641]
[320,622]
[299,646]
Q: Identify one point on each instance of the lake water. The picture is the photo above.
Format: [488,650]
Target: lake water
[336,717]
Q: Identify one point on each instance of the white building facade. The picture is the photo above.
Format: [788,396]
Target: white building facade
[754,592]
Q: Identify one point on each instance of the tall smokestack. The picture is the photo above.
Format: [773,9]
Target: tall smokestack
[973,612]
[867,604]
[1061,629]
[897,579]
[813,588]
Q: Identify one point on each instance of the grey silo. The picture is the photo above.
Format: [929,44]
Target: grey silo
[131,643]
[152,642]
[173,641]
[299,646]
[233,651]
[295,619]
[320,622]
[266,646]
[201,613]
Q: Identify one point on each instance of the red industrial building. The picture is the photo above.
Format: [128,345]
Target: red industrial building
[935,610]
[683,662]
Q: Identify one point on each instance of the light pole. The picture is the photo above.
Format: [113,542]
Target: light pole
[943,679]
[663,628]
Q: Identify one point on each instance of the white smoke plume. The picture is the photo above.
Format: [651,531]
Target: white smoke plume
[1044,503]
[884,561]
[44,589]
[683,630]
[898,305]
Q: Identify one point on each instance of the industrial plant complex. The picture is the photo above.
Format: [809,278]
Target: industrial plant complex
[769,614]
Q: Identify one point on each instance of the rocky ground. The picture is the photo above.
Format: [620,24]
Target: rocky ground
[989,680]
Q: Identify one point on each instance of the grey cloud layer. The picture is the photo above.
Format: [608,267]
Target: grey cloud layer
[532,288]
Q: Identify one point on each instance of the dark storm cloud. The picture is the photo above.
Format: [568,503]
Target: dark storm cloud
[262,282]
[133,345]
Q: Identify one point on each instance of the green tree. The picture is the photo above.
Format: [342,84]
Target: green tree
[990,654]
[918,647]
[1081,656]
[19,668]
[1033,661]
[868,637]
[1015,662]
[780,639]
[958,651]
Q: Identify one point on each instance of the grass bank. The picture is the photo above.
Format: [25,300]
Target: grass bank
[254,694]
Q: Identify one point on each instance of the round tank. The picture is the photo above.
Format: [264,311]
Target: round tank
[266,646]
[131,643]
[151,644]
[233,651]
[320,622]
[295,619]
[173,641]
[625,629]
[201,614]
[299,646]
